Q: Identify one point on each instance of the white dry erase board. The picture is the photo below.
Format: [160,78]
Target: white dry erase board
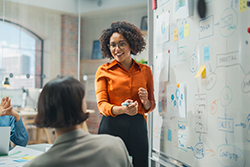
[202,83]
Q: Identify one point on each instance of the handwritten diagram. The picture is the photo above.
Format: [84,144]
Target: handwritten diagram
[176,106]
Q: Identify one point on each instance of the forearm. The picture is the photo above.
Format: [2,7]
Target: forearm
[19,135]
[147,105]
[16,115]
[118,110]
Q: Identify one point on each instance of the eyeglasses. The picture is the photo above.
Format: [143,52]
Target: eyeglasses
[121,45]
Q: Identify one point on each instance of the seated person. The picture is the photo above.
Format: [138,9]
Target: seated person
[62,106]
[9,117]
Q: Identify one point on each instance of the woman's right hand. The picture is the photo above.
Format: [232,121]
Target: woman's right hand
[132,108]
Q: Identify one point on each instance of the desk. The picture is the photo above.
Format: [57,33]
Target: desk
[39,147]
[29,118]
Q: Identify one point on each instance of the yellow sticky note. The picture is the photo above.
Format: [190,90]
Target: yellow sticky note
[243,5]
[29,157]
[176,34]
[186,30]
[201,72]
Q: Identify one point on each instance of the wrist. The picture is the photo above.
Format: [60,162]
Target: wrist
[16,115]
[117,110]
[146,102]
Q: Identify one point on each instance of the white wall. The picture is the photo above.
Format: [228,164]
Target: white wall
[93,25]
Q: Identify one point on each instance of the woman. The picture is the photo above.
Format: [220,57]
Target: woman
[124,81]
[9,117]
[62,106]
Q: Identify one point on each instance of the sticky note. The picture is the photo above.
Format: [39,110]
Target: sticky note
[206,53]
[169,134]
[29,157]
[201,72]
[186,30]
[243,5]
[176,34]
[20,160]
[181,32]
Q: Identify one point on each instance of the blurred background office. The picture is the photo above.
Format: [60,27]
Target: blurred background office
[43,39]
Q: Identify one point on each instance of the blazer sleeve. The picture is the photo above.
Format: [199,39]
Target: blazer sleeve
[101,89]
[19,135]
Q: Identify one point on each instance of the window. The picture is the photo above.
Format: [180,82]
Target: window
[20,56]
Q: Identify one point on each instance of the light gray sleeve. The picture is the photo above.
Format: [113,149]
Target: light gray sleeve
[124,152]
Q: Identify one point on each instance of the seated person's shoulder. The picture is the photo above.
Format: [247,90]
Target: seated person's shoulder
[109,141]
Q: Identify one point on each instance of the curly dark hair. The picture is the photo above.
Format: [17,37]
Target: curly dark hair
[133,34]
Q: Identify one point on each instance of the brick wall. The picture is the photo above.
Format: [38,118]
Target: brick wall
[69,44]
[94,118]
[69,50]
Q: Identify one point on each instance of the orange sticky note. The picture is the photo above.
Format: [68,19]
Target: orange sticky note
[201,72]
[176,34]
[29,157]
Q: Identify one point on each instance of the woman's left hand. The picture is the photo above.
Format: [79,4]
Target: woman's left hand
[143,95]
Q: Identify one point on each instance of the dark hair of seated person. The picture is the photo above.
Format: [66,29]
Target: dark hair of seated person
[60,104]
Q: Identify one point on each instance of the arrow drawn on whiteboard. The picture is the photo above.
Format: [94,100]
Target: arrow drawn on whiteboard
[212,151]
[241,124]
[236,3]
[226,138]
[210,68]
[225,113]
[217,24]
[200,137]
[184,21]
[191,148]
[173,137]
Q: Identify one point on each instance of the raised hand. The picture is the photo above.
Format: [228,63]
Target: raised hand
[143,95]
[5,106]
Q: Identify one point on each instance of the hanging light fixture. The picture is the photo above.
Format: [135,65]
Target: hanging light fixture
[6,82]
[99,3]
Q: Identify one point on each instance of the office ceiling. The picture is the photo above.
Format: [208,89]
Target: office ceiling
[85,6]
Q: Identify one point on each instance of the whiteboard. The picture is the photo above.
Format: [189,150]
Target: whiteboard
[215,130]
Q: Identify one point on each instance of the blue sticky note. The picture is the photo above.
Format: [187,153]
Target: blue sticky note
[20,160]
[206,53]
[169,134]
[181,32]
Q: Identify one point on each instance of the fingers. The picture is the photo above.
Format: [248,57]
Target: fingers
[132,109]
[9,102]
[142,92]
[8,109]
[3,100]
[129,101]
[6,103]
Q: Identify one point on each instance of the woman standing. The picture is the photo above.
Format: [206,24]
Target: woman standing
[125,89]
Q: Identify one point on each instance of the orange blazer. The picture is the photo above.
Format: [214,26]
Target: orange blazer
[114,84]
